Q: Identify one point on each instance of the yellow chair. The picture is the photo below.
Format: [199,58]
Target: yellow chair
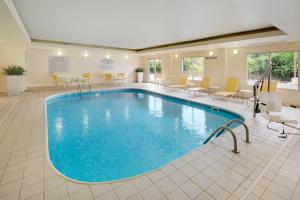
[203,85]
[273,86]
[107,78]
[87,78]
[58,81]
[183,83]
[120,78]
[231,88]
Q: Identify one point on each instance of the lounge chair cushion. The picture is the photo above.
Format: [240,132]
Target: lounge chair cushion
[225,93]
[177,86]
[281,119]
[196,89]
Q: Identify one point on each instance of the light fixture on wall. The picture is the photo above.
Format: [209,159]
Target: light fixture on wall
[176,55]
[85,54]
[235,51]
[126,57]
[59,53]
[211,56]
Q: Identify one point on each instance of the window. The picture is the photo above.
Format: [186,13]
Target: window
[155,68]
[285,71]
[193,67]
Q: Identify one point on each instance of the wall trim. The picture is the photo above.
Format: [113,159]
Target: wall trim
[52,42]
[244,35]
[250,34]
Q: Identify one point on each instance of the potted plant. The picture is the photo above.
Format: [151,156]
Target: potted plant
[140,74]
[14,78]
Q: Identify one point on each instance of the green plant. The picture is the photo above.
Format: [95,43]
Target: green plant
[139,69]
[13,70]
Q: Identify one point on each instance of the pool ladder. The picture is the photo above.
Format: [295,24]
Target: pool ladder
[79,88]
[226,127]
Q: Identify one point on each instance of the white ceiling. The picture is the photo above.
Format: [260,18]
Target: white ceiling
[283,14]
[133,24]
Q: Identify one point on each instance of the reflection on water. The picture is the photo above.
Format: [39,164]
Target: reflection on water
[85,121]
[107,116]
[140,95]
[155,106]
[193,119]
[126,112]
[176,124]
[58,126]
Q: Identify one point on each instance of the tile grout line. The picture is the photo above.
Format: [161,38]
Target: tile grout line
[27,153]
[274,153]
[8,112]
[265,170]
[280,167]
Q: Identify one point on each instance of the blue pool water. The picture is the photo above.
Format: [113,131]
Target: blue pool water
[112,135]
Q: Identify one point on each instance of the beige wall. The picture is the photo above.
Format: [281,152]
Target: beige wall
[226,65]
[172,66]
[237,66]
[10,54]
[37,64]
[35,60]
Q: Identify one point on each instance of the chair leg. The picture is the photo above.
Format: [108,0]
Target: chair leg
[283,134]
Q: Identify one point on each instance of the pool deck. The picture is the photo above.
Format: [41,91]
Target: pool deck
[268,168]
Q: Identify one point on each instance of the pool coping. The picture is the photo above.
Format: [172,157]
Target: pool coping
[122,88]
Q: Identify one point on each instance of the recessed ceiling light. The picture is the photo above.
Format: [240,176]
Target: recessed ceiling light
[107,56]
[176,55]
[126,57]
[235,51]
[85,54]
[59,53]
[211,53]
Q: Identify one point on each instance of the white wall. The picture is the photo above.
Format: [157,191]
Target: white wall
[10,54]
[37,63]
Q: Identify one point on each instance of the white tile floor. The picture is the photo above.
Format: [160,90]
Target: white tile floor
[268,168]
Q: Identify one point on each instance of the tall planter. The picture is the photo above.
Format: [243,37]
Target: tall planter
[22,83]
[140,77]
[15,79]
[13,85]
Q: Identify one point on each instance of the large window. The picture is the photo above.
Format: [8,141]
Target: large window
[155,68]
[285,71]
[193,67]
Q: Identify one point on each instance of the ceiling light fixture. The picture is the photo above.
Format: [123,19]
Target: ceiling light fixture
[235,51]
[126,57]
[59,53]
[107,56]
[176,55]
[211,53]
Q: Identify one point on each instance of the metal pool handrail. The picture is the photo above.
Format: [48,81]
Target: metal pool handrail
[226,127]
[240,122]
[259,85]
